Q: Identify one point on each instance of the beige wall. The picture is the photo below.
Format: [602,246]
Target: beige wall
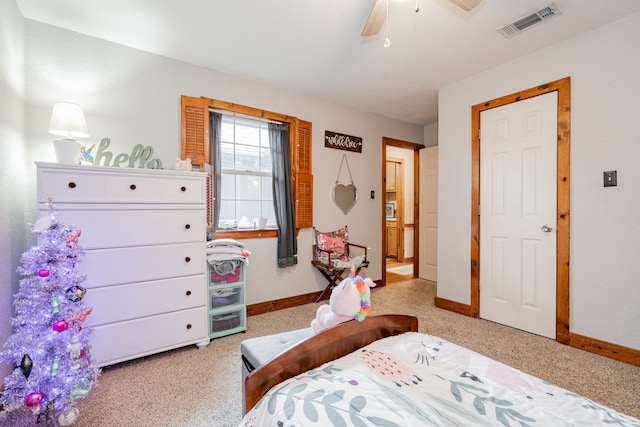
[13,174]
[134,97]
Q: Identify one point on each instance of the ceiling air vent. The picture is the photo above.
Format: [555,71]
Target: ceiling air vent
[529,20]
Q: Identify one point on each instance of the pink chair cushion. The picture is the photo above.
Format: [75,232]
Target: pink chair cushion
[335,242]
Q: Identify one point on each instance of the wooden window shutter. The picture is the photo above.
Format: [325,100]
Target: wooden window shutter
[195,143]
[303,179]
[195,130]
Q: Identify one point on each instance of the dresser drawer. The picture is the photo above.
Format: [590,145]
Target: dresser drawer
[118,228]
[94,184]
[126,302]
[155,189]
[135,338]
[70,185]
[106,267]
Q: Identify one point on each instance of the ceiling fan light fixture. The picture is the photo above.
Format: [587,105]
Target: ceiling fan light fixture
[377,15]
[375,20]
[387,42]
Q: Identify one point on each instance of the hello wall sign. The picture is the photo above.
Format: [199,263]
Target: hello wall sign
[140,156]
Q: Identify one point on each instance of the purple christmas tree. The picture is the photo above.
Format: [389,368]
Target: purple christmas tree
[49,346]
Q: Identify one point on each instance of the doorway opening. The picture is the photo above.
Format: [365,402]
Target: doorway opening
[400,201]
[398,271]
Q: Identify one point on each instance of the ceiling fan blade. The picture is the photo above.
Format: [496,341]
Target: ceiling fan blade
[376,19]
[466,4]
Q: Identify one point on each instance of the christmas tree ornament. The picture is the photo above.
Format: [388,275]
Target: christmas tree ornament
[55,304]
[26,364]
[73,239]
[78,392]
[75,293]
[60,325]
[33,399]
[68,416]
[42,225]
[81,317]
[43,273]
[55,365]
[76,349]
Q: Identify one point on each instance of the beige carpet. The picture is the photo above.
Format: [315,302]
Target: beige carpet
[191,387]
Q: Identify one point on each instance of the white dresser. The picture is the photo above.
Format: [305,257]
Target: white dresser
[144,234]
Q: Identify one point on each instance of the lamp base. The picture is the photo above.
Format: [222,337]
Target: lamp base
[67,151]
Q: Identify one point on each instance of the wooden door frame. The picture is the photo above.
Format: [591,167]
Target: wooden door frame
[563,87]
[390,142]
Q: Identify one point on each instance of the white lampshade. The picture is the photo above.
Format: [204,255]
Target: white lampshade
[67,120]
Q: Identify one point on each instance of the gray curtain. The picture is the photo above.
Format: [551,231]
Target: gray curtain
[283,202]
[215,130]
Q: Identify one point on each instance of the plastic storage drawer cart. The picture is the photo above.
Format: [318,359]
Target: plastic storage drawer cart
[226,300]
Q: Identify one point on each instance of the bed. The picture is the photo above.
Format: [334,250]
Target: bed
[383,372]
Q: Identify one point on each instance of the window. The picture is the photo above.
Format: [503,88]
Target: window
[246,195]
[248,120]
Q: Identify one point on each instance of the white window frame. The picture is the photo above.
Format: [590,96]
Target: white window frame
[250,223]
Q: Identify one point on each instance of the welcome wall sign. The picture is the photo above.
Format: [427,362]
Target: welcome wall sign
[341,141]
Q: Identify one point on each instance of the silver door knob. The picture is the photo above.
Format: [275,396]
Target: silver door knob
[546,228]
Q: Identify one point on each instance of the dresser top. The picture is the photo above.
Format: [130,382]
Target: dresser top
[116,170]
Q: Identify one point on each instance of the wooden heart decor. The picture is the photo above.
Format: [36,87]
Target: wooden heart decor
[345,197]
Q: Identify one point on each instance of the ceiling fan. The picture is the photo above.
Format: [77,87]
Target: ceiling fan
[379,13]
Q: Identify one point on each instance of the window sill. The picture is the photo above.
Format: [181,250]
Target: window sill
[246,234]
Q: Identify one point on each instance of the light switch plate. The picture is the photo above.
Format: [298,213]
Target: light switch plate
[610,178]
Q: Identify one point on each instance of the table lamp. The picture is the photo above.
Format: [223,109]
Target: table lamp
[67,120]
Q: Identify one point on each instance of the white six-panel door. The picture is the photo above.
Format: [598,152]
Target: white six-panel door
[518,170]
[429,213]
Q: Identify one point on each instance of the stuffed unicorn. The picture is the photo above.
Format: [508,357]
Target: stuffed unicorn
[351,299]
[86,153]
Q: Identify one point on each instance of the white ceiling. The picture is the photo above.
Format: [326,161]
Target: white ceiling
[314,46]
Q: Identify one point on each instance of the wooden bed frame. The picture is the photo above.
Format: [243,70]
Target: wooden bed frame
[323,347]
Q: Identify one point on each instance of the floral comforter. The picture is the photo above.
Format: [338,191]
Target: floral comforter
[416,379]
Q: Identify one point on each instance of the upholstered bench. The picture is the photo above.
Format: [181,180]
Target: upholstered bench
[256,351]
